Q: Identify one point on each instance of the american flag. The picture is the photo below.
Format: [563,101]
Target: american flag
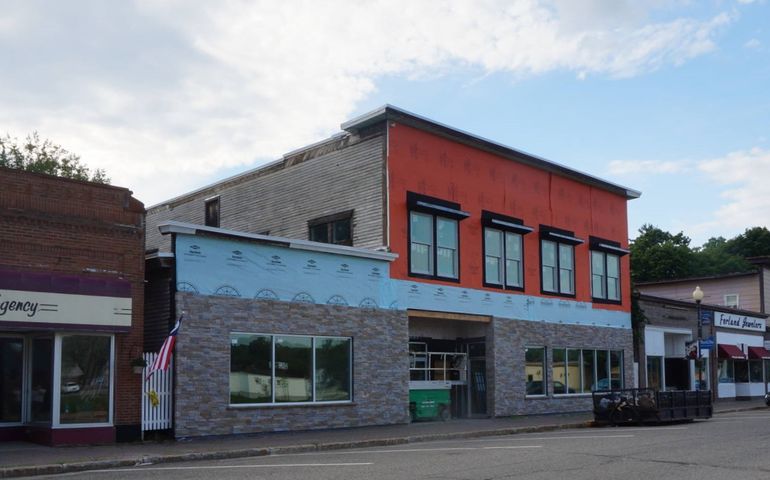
[164,355]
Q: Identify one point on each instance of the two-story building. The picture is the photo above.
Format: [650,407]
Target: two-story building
[509,272]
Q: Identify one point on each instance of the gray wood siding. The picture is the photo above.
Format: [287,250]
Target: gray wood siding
[282,198]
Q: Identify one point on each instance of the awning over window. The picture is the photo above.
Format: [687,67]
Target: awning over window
[730,351]
[758,353]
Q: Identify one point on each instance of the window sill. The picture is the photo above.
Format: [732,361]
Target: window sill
[557,294]
[434,277]
[605,301]
[254,406]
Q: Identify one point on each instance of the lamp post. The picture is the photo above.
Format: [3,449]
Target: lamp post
[697,295]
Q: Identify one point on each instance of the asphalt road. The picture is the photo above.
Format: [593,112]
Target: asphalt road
[730,446]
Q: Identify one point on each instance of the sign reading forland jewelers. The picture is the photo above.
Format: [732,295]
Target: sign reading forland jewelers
[740,322]
[21,306]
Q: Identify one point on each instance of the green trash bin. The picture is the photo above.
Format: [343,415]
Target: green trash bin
[429,403]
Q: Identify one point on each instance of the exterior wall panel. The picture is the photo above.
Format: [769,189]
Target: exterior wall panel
[380,378]
[507,372]
[283,197]
[431,165]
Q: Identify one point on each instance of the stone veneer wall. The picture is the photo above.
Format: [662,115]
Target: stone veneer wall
[505,362]
[380,365]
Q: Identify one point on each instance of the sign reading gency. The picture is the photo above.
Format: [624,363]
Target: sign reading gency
[60,308]
[740,322]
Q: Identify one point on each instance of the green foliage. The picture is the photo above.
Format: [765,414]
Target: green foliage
[43,156]
[659,255]
[754,242]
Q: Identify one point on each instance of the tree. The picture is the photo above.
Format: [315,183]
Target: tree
[754,242]
[716,257]
[43,156]
[659,255]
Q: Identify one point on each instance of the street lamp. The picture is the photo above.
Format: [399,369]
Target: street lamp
[697,295]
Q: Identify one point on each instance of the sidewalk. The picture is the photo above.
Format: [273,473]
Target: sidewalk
[22,459]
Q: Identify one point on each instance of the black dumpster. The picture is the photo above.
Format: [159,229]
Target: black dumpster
[645,405]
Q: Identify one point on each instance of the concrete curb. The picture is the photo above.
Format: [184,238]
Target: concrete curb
[53,469]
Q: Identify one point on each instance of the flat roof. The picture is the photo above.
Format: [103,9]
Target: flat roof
[193,229]
[708,306]
[696,279]
[391,113]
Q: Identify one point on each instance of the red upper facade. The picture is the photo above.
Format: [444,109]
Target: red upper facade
[478,181]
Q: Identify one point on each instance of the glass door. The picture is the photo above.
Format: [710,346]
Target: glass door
[11,379]
[41,381]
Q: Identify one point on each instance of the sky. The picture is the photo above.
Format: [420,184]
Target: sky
[671,98]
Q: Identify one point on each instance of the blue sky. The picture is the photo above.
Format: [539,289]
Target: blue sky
[667,97]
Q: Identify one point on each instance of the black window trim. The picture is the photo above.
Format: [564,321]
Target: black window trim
[559,236]
[605,247]
[435,207]
[503,223]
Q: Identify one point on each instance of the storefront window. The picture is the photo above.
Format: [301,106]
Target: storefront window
[702,371]
[602,369]
[251,375]
[755,371]
[726,373]
[654,368]
[741,371]
[588,370]
[11,362]
[577,371]
[256,379]
[332,365]
[616,368]
[85,379]
[767,370]
[573,371]
[534,360]
[559,371]
[293,369]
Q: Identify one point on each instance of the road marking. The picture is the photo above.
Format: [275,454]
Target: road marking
[223,467]
[565,437]
[399,450]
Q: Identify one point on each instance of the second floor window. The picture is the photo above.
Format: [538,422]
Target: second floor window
[434,245]
[337,229]
[503,251]
[434,241]
[605,269]
[557,260]
[605,276]
[212,212]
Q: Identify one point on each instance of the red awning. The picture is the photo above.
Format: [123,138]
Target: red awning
[730,351]
[758,353]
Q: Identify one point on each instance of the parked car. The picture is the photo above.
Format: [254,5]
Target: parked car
[767,399]
[605,384]
[536,388]
[70,387]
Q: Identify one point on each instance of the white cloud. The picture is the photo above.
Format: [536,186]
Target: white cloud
[753,43]
[746,197]
[181,89]
[649,167]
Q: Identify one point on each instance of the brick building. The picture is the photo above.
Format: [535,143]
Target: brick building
[71,303]
[511,271]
